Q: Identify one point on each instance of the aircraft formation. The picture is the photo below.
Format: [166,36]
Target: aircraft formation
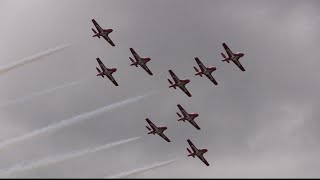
[174,83]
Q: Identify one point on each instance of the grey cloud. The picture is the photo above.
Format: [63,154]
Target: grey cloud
[282,71]
[56,159]
[143,169]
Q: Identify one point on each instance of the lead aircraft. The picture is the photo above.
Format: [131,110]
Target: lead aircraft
[157,130]
[188,117]
[181,83]
[197,152]
[205,71]
[102,32]
[142,61]
[234,57]
[106,72]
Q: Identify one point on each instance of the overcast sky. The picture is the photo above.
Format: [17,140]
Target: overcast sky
[263,122]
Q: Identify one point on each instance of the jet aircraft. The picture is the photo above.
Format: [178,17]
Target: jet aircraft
[205,71]
[234,57]
[102,32]
[106,72]
[157,130]
[197,152]
[142,61]
[181,83]
[187,117]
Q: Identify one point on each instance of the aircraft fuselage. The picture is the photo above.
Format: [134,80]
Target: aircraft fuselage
[208,70]
[200,152]
[109,72]
[191,116]
[159,130]
[182,83]
[235,57]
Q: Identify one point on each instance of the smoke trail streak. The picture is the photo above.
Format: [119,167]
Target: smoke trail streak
[31,59]
[36,94]
[143,169]
[59,158]
[71,121]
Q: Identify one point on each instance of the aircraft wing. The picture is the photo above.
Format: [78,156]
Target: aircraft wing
[184,112]
[202,67]
[112,80]
[227,49]
[145,67]
[109,40]
[194,124]
[164,137]
[212,79]
[239,65]
[193,147]
[103,67]
[151,124]
[96,25]
[174,77]
[135,55]
[185,90]
[203,160]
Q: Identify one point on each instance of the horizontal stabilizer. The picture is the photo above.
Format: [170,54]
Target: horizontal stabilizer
[94,31]
[98,70]
[196,69]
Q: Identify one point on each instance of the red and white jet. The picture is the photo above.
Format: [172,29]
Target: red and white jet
[102,32]
[157,130]
[188,117]
[142,61]
[180,83]
[197,152]
[205,71]
[106,72]
[234,57]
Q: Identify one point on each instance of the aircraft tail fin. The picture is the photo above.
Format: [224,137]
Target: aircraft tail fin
[190,153]
[198,72]
[148,128]
[95,33]
[133,62]
[171,83]
[225,58]
[100,73]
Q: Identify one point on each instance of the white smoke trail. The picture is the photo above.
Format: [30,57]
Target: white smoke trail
[36,94]
[63,157]
[71,121]
[143,169]
[31,59]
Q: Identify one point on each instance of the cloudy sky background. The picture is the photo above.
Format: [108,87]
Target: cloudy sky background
[258,123]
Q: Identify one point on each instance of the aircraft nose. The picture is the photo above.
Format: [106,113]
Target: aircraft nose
[114,69]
